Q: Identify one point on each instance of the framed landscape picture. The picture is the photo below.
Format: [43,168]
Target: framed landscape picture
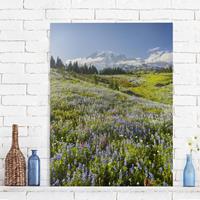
[111,104]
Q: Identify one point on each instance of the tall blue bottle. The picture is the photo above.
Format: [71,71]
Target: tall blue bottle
[189,173]
[34,169]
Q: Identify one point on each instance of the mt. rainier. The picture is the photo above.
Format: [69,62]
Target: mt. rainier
[109,59]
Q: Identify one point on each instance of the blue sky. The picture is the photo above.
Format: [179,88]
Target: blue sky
[72,40]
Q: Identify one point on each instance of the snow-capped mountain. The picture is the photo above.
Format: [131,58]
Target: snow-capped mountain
[101,60]
[105,59]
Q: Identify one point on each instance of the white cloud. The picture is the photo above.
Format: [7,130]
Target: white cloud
[82,61]
[137,61]
[154,49]
[159,57]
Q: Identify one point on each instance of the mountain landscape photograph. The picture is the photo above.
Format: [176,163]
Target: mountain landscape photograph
[111,104]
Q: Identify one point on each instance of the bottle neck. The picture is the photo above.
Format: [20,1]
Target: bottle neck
[34,152]
[15,143]
[189,158]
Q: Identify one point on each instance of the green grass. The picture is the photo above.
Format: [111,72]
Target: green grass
[111,130]
[151,85]
[156,87]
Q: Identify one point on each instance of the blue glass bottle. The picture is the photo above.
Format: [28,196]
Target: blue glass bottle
[189,173]
[34,169]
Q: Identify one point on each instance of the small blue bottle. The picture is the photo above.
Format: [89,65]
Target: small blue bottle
[34,169]
[189,173]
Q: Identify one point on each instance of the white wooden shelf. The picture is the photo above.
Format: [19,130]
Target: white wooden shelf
[99,193]
[98,189]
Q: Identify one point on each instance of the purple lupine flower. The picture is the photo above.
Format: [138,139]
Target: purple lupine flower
[160,169]
[139,166]
[84,176]
[132,168]
[120,174]
[165,184]
[125,162]
[93,180]
[58,156]
[151,176]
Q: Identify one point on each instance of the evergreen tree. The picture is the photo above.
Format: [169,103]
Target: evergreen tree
[52,62]
[59,63]
[69,66]
[84,69]
[75,67]
[93,70]
[110,71]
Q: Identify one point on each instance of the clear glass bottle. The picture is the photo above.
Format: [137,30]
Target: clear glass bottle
[34,169]
[189,173]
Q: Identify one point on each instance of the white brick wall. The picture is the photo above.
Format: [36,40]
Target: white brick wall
[24,68]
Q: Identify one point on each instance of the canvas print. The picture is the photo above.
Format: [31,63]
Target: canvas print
[111,104]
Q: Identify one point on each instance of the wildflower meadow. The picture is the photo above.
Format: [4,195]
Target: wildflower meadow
[111,130]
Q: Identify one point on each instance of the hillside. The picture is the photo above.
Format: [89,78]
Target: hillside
[111,130]
[150,85]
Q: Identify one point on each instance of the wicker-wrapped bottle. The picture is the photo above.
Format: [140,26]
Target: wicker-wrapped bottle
[15,164]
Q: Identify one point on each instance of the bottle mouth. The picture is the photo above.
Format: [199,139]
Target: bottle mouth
[15,127]
[34,151]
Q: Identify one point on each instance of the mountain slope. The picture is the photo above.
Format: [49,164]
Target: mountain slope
[105,59]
